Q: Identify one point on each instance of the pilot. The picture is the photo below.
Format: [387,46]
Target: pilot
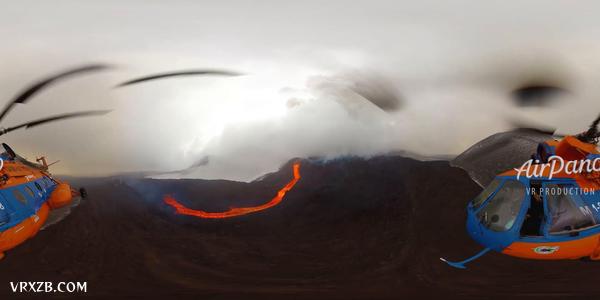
[533,218]
[537,197]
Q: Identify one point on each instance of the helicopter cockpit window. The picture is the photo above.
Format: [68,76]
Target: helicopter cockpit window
[30,191]
[503,208]
[19,196]
[39,187]
[492,187]
[564,213]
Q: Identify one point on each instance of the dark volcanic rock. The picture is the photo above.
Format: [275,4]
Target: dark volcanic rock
[350,229]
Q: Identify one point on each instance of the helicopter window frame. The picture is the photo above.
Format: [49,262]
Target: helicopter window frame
[499,182]
[574,200]
[29,191]
[517,216]
[39,187]
[529,198]
[47,182]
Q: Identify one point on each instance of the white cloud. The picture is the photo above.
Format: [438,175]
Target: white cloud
[452,64]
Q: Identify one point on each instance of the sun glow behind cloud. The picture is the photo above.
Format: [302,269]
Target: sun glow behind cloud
[453,69]
[195,111]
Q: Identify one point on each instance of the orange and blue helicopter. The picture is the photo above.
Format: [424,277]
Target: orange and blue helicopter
[551,214]
[29,195]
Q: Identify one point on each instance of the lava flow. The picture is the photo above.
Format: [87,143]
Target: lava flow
[235,211]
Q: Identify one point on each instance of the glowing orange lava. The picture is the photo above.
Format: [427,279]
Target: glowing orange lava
[235,211]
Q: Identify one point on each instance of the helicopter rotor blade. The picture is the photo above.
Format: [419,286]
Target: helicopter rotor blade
[179,73]
[596,122]
[25,95]
[592,134]
[498,153]
[594,127]
[538,95]
[525,126]
[9,150]
[39,122]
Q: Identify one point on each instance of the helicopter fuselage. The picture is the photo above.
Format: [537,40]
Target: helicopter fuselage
[550,216]
[27,195]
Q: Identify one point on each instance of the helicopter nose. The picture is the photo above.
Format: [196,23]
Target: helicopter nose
[476,229]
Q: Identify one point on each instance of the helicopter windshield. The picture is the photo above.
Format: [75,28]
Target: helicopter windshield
[564,214]
[492,187]
[503,208]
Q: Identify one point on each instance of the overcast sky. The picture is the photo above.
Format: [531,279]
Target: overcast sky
[451,64]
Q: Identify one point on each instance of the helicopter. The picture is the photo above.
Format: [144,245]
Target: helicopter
[549,214]
[29,194]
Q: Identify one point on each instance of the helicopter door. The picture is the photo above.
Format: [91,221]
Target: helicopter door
[564,215]
[534,219]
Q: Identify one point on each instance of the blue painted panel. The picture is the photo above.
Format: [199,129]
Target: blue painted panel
[18,211]
[589,202]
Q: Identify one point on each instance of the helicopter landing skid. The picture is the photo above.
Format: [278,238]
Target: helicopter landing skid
[461,264]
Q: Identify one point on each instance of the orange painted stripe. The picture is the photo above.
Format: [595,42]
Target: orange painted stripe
[18,174]
[583,247]
[18,234]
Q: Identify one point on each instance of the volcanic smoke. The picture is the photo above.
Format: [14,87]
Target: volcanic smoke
[234,211]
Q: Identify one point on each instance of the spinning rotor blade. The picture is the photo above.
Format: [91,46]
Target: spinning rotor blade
[538,95]
[179,73]
[9,150]
[55,118]
[525,126]
[592,134]
[11,153]
[498,153]
[33,89]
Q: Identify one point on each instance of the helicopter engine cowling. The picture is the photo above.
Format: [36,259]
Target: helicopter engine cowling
[61,196]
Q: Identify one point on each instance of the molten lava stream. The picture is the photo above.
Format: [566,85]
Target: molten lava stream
[235,211]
